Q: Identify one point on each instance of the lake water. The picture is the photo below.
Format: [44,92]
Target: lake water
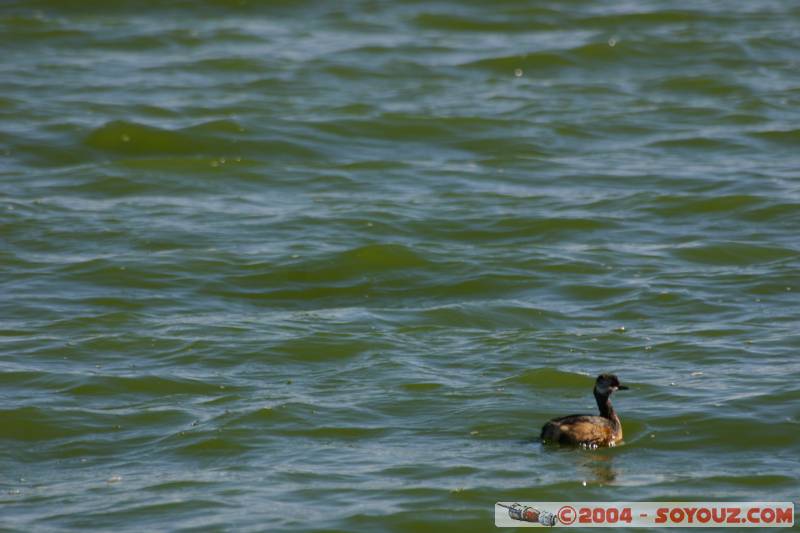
[329,266]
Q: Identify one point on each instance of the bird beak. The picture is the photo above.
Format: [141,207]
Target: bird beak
[622,387]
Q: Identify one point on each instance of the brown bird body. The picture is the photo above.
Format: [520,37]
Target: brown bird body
[590,431]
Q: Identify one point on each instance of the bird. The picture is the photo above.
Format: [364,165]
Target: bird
[589,431]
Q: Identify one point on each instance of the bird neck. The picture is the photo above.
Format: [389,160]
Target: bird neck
[606,409]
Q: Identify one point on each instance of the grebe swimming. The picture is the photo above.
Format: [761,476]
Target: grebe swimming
[589,431]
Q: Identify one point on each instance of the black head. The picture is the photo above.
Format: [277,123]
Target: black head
[606,384]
